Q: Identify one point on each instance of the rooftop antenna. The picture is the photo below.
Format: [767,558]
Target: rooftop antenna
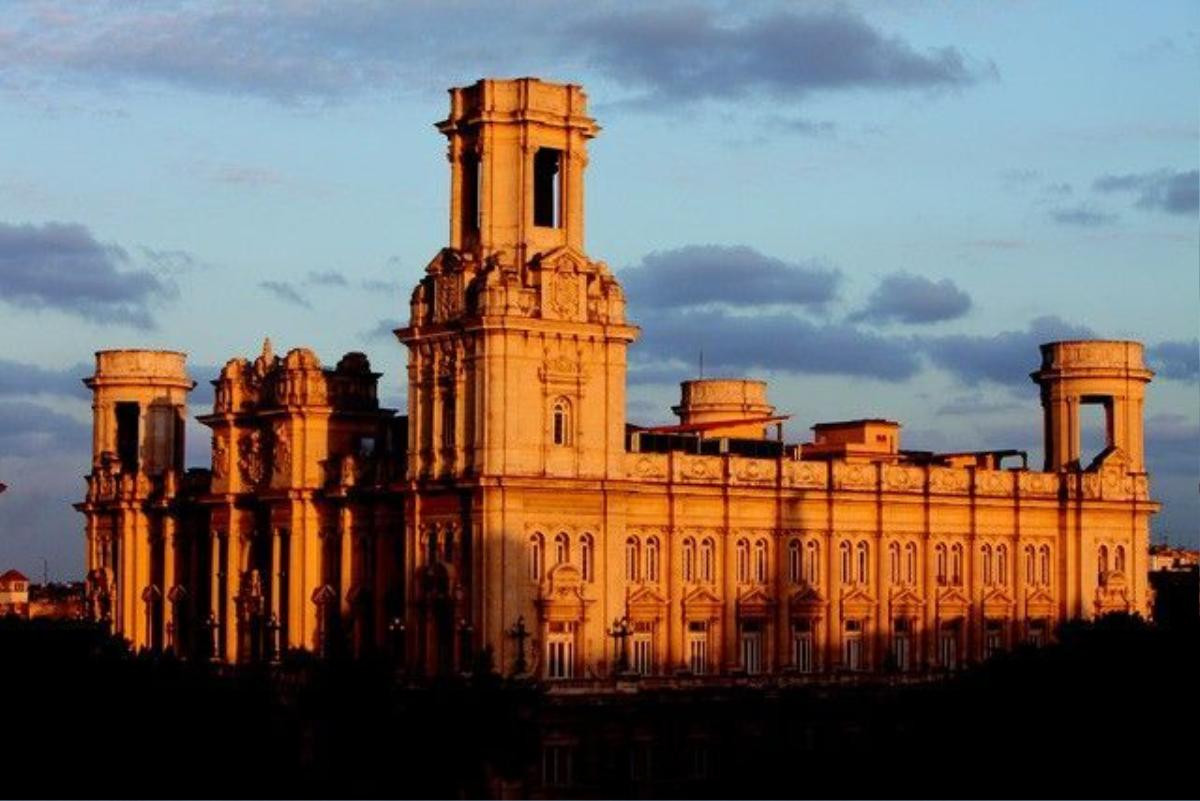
[45,572]
[702,362]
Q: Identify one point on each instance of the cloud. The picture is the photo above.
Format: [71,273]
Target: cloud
[326,50]
[245,176]
[328,278]
[285,292]
[18,378]
[907,298]
[975,403]
[30,429]
[1179,359]
[801,125]
[1163,190]
[61,266]
[169,262]
[1005,358]
[733,344]
[734,276]
[1173,445]
[1082,215]
[997,244]
[384,329]
[377,285]
[687,53]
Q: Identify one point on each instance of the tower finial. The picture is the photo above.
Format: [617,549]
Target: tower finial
[268,354]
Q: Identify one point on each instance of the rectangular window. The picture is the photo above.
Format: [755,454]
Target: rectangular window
[697,645]
[993,638]
[852,645]
[128,419]
[560,654]
[547,188]
[752,648]
[557,765]
[471,186]
[802,646]
[948,647]
[643,653]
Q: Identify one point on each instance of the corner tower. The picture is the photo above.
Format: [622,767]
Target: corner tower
[516,337]
[139,403]
[1110,373]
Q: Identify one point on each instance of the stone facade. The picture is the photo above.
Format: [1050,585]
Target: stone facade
[514,509]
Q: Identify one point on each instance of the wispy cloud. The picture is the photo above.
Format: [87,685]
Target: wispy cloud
[62,266]
[1163,190]
[907,298]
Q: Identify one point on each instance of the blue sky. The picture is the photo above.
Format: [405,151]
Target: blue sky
[880,207]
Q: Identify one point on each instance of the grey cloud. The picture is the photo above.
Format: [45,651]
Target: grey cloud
[328,278]
[736,276]
[974,404]
[1082,215]
[907,298]
[285,292]
[246,176]
[324,50]
[19,378]
[30,429]
[781,341]
[1176,359]
[1005,358]
[1062,188]
[376,285]
[61,266]
[689,53]
[1163,190]
[1173,445]
[383,330]
[670,371]
[802,126]
[169,262]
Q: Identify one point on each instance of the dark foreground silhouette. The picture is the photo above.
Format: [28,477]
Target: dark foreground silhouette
[1108,711]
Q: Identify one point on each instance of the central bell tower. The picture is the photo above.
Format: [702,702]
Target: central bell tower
[516,337]
[517,151]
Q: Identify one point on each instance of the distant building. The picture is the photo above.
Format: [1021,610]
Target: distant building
[14,594]
[57,601]
[513,509]
[1164,557]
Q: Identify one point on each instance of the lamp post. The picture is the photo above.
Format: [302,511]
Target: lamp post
[621,631]
[519,633]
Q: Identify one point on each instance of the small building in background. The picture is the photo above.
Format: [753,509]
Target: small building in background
[57,601]
[14,594]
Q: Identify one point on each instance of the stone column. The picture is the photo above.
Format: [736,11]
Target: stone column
[215,571]
[170,632]
[345,560]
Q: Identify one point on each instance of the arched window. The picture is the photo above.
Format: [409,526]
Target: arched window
[986,562]
[743,561]
[940,550]
[1044,564]
[708,555]
[956,561]
[587,550]
[1102,564]
[561,421]
[894,563]
[1030,566]
[760,561]
[1002,564]
[910,559]
[812,564]
[536,551]
[689,559]
[794,562]
[632,554]
[844,549]
[864,570]
[652,559]
[562,548]
[1119,560]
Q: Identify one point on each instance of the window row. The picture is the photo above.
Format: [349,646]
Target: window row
[643,560]
[562,554]
[1102,566]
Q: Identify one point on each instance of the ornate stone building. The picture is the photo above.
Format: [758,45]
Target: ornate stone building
[513,508]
